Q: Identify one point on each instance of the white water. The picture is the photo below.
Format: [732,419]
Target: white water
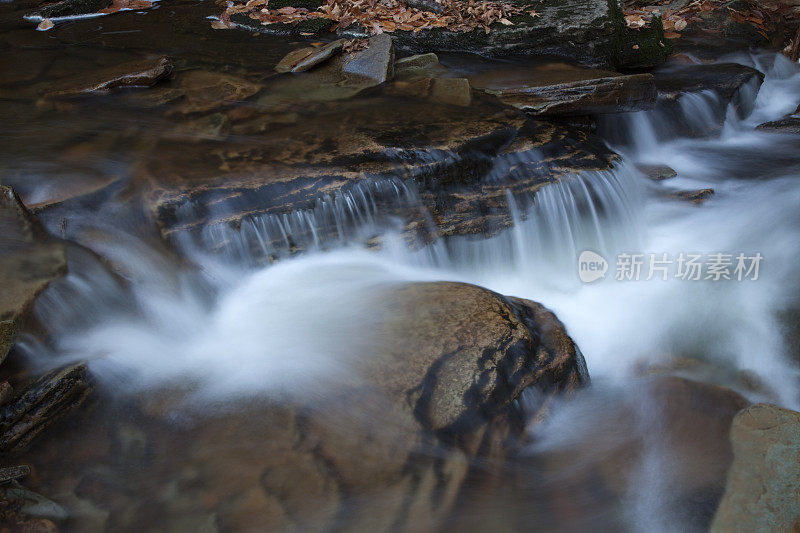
[238,330]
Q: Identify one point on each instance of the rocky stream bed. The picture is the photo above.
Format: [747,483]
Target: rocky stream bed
[267,277]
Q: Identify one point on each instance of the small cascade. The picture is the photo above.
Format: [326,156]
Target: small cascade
[355,215]
[597,210]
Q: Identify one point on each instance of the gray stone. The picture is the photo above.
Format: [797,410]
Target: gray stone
[763,486]
[375,62]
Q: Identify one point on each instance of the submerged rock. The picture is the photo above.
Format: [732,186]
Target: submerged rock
[205,91]
[763,488]
[696,197]
[560,89]
[41,404]
[669,436]
[29,262]
[140,73]
[657,172]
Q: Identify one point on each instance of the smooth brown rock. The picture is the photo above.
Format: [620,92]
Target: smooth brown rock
[140,73]
[564,90]
[763,487]
[453,91]
[29,262]
[671,433]
[434,397]
[318,56]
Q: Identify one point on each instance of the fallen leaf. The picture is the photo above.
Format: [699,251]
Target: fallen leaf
[671,35]
[45,25]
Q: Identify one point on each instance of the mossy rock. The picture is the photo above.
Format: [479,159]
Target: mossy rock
[643,48]
[314,26]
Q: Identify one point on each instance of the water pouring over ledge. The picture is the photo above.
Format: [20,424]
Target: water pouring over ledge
[320,304]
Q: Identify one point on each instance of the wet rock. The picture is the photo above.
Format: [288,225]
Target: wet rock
[392,448]
[723,78]
[29,262]
[458,376]
[417,66]
[41,404]
[559,89]
[307,58]
[696,197]
[763,487]
[657,172]
[205,91]
[670,435]
[463,164]
[585,32]
[376,62]
[453,91]
[68,8]
[788,125]
[140,73]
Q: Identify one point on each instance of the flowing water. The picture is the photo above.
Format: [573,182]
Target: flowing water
[222,327]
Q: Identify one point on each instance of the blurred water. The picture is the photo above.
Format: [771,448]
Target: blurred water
[235,328]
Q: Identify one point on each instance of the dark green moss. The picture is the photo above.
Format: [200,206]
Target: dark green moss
[643,48]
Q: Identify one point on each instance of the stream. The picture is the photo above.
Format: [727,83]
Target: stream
[192,332]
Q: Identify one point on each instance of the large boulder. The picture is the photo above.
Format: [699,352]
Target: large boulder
[763,489]
[29,262]
[421,418]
